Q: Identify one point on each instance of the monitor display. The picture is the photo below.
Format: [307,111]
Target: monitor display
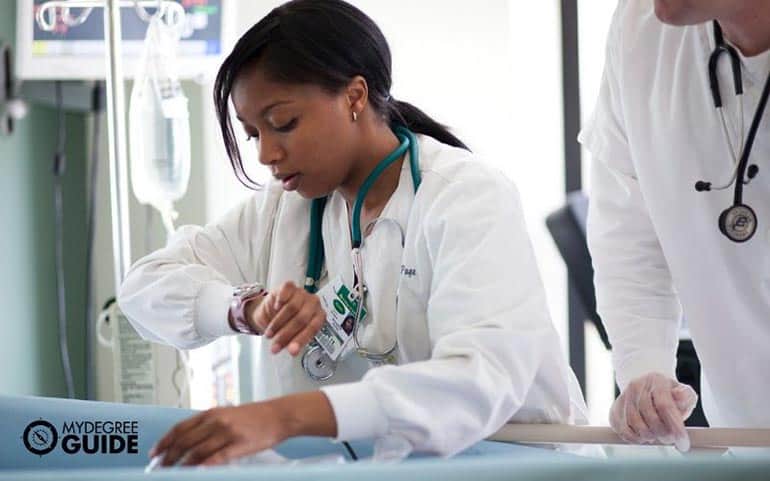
[78,52]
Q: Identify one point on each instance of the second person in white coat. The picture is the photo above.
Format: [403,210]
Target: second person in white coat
[450,277]
[661,247]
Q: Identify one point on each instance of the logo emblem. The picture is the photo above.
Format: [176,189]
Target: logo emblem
[40,437]
[738,223]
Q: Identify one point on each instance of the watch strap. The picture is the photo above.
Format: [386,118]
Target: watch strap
[242,295]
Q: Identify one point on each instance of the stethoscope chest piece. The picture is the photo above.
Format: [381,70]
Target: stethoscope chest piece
[738,223]
[317,364]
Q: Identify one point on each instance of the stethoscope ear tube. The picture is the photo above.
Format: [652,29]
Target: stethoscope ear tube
[735,64]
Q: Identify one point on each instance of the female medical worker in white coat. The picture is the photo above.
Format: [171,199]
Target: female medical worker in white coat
[455,339]
[679,220]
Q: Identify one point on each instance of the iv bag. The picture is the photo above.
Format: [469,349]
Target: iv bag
[159,127]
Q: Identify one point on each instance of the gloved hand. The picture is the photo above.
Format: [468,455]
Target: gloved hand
[653,408]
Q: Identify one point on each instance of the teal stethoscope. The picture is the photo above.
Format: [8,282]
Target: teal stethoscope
[315,362]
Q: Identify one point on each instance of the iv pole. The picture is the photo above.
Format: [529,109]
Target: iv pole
[116,142]
[46,18]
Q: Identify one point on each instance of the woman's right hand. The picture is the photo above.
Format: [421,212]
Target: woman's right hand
[290,316]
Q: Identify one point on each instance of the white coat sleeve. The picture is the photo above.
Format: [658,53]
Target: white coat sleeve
[488,325]
[180,294]
[634,291]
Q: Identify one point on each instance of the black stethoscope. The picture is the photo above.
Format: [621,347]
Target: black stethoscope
[739,221]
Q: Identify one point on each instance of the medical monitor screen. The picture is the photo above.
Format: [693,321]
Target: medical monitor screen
[78,52]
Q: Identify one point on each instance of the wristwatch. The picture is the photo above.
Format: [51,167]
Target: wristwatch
[236,315]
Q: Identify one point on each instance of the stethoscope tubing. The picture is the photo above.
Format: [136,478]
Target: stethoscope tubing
[735,63]
[755,122]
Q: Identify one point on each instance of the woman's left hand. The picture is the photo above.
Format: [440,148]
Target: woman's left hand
[297,317]
[222,434]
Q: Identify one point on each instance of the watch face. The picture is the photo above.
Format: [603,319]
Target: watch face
[248,289]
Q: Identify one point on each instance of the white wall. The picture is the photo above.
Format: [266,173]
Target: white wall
[594,21]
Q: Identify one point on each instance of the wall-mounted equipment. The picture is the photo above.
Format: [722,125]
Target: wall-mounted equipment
[12,108]
[67,42]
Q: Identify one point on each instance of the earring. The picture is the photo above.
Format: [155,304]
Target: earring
[355,116]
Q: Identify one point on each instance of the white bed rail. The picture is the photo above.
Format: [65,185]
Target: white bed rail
[568,434]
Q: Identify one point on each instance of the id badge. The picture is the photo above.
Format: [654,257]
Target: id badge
[340,304]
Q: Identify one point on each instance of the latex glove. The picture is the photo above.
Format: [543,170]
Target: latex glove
[653,408]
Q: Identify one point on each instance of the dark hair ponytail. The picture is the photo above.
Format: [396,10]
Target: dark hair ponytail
[419,122]
[321,42]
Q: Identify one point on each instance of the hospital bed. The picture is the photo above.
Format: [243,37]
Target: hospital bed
[31,450]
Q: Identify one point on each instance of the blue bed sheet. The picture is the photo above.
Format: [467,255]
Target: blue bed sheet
[42,439]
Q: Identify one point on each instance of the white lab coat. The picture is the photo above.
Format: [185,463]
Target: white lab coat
[476,346]
[655,242]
